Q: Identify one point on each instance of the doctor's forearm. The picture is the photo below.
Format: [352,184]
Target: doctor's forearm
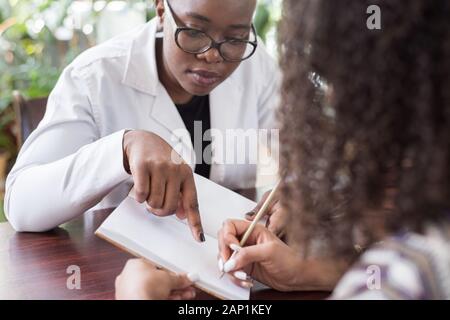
[43,196]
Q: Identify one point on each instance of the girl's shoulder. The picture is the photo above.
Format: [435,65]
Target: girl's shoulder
[407,266]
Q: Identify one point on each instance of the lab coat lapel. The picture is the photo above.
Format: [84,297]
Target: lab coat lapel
[226,113]
[166,114]
[141,73]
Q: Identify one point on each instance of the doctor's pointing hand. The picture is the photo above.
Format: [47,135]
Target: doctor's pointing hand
[161,178]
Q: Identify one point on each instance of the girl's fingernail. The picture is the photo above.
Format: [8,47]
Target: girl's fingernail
[246,284]
[220,265]
[202,237]
[193,277]
[192,294]
[241,275]
[235,247]
[229,265]
[250,214]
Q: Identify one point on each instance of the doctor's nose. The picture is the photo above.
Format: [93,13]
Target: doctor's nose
[211,56]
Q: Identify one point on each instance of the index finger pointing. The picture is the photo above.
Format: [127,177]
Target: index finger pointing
[190,206]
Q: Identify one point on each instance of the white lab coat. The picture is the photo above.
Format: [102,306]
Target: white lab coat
[73,161]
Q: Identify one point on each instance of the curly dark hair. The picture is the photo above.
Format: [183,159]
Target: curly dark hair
[365,140]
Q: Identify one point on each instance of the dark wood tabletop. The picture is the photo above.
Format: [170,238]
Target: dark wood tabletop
[34,265]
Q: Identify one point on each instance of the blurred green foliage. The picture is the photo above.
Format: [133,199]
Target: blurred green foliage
[268,13]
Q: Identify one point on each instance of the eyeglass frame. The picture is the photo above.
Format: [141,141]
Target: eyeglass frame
[214,44]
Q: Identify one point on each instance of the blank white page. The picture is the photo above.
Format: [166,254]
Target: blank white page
[168,242]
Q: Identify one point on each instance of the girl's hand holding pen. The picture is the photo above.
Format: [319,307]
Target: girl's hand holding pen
[276,216]
[265,257]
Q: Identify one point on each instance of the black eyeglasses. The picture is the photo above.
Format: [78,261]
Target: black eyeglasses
[197,42]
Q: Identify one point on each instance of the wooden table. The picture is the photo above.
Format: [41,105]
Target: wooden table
[34,266]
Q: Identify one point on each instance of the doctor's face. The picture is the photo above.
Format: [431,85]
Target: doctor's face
[221,20]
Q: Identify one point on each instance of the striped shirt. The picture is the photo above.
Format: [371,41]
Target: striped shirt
[408,266]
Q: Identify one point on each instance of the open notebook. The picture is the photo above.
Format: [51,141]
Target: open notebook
[168,242]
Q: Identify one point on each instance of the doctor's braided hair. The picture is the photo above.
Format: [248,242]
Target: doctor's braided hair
[365,144]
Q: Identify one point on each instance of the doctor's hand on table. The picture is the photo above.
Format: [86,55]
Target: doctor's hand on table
[161,178]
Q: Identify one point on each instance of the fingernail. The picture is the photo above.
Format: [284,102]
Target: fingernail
[246,284]
[250,214]
[235,247]
[220,265]
[192,294]
[241,275]
[193,277]
[202,237]
[229,265]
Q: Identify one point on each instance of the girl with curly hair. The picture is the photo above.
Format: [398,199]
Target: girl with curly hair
[365,148]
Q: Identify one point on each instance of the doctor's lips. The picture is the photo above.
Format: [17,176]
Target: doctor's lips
[204,78]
